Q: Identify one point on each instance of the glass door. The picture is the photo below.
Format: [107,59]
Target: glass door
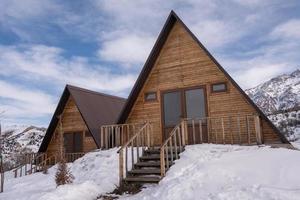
[184,103]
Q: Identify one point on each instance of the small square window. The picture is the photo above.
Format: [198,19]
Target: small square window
[219,87]
[88,134]
[150,96]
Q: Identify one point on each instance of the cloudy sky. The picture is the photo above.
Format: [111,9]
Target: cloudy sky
[103,44]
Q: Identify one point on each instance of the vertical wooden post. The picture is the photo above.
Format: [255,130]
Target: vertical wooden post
[200,132]
[248,130]
[101,137]
[230,129]
[257,129]
[193,126]
[208,130]
[223,130]
[121,165]
[239,129]
[183,132]
[162,163]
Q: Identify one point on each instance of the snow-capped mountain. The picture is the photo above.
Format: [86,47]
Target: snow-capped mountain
[279,93]
[20,139]
[279,98]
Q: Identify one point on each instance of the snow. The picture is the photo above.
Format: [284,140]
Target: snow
[206,171]
[229,172]
[96,173]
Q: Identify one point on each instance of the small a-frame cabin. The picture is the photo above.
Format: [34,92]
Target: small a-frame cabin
[79,116]
[184,96]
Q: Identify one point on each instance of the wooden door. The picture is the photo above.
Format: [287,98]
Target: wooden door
[73,142]
[68,142]
[172,111]
[185,103]
[195,109]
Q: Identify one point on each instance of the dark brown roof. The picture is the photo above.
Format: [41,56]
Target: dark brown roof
[171,20]
[95,108]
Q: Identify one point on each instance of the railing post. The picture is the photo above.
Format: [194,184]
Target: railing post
[121,166]
[162,163]
[257,129]
[223,130]
[101,137]
[183,132]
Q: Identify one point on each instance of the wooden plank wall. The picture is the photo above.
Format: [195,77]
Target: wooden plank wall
[182,63]
[71,122]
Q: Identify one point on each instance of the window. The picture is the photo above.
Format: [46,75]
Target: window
[219,87]
[150,96]
[88,134]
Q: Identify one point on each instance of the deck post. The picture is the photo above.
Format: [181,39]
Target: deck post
[121,163]
[257,129]
[183,132]
[223,130]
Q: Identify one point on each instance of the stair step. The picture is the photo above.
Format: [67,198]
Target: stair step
[144,171]
[157,151]
[143,179]
[154,157]
[148,164]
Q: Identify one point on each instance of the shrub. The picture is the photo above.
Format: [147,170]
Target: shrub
[63,174]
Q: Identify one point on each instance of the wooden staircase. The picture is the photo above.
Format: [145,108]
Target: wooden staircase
[148,169]
[140,163]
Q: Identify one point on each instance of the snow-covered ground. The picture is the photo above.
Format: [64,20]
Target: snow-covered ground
[207,171]
[228,172]
[96,173]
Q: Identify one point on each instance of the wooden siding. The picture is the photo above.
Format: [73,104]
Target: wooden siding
[71,122]
[182,63]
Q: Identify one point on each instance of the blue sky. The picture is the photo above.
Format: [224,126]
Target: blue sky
[102,45]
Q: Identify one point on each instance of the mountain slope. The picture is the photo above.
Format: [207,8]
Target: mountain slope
[20,139]
[279,93]
[279,98]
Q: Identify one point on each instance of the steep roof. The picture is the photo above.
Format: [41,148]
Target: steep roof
[171,20]
[95,108]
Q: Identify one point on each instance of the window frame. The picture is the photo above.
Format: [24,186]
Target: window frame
[218,83]
[149,93]
[87,134]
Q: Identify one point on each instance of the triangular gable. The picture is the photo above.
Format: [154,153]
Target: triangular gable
[95,108]
[171,20]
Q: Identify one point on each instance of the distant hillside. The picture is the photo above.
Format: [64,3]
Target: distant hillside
[279,93]
[19,140]
[279,98]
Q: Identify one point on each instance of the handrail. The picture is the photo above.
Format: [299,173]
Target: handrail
[132,138]
[30,159]
[176,138]
[117,134]
[226,129]
[141,139]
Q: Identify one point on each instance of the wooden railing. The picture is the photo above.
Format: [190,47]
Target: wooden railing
[173,144]
[29,163]
[71,157]
[116,135]
[137,144]
[231,129]
[238,129]
[37,162]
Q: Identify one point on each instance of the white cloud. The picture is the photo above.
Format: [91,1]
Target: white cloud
[21,103]
[287,30]
[216,33]
[46,64]
[129,49]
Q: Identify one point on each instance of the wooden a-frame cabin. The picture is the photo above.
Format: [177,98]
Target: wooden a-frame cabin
[182,96]
[78,116]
